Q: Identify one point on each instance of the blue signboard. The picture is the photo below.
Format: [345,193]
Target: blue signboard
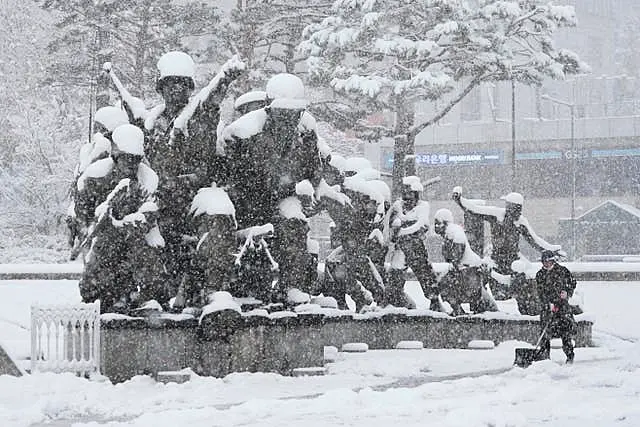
[617,152]
[542,155]
[447,159]
[490,157]
[578,154]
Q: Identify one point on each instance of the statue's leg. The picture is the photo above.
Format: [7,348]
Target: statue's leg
[289,249]
[213,260]
[99,278]
[148,273]
[417,258]
[394,290]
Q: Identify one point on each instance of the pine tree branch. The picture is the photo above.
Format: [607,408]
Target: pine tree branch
[416,129]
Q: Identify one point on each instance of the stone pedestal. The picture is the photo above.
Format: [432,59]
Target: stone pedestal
[228,342]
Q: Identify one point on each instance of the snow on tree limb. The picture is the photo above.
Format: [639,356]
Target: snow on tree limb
[425,50]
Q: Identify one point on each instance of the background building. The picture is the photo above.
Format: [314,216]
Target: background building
[560,176]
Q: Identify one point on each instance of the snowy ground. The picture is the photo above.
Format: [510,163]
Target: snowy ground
[378,388]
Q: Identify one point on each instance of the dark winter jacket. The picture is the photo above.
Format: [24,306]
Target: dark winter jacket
[265,161]
[186,160]
[190,159]
[99,180]
[453,252]
[550,284]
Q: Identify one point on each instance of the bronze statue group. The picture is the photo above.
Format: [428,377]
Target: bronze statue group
[171,207]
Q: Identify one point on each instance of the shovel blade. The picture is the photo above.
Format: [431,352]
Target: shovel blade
[526,356]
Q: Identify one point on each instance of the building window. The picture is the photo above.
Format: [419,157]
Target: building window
[471,106]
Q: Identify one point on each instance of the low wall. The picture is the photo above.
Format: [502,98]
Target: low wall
[231,342]
[583,271]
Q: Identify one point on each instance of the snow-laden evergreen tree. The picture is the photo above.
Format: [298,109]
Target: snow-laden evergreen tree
[42,129]
[132,34]
[266,33]
[386,55]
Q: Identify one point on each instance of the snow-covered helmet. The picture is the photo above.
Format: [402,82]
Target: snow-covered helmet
[178,65]
[286,91]
[513,206]
[443,215]
[382,188]
[515,198]
[111,117]
[128,139]
[259,97]
[364,195]
[412,184]
[441,219]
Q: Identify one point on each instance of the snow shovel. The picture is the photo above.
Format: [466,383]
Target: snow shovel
[526,356]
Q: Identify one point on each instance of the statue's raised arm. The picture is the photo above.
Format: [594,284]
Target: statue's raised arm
[537,242]
[487,213]
[134,106]
[210,96]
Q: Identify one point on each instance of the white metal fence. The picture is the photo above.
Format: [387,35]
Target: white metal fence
[65,338]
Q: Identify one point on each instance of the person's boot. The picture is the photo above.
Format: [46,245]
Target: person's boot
[570,354]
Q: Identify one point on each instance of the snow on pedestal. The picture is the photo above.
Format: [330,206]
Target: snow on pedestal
[481,345]
[410,345]
[220,301]
[355,347]
[325,302]
[150,305]
[296,296]
[282,314]
[308,308]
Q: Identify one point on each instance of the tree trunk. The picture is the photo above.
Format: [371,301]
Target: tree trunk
[103,54]
[403,147]
[141,48]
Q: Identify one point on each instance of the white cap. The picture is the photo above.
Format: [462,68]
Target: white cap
[129,139]
[413,182]
[111,117]
[286,91]
[359,185]
[382,188]
[176,63]
[253,96]
[443,215]
[515,198]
